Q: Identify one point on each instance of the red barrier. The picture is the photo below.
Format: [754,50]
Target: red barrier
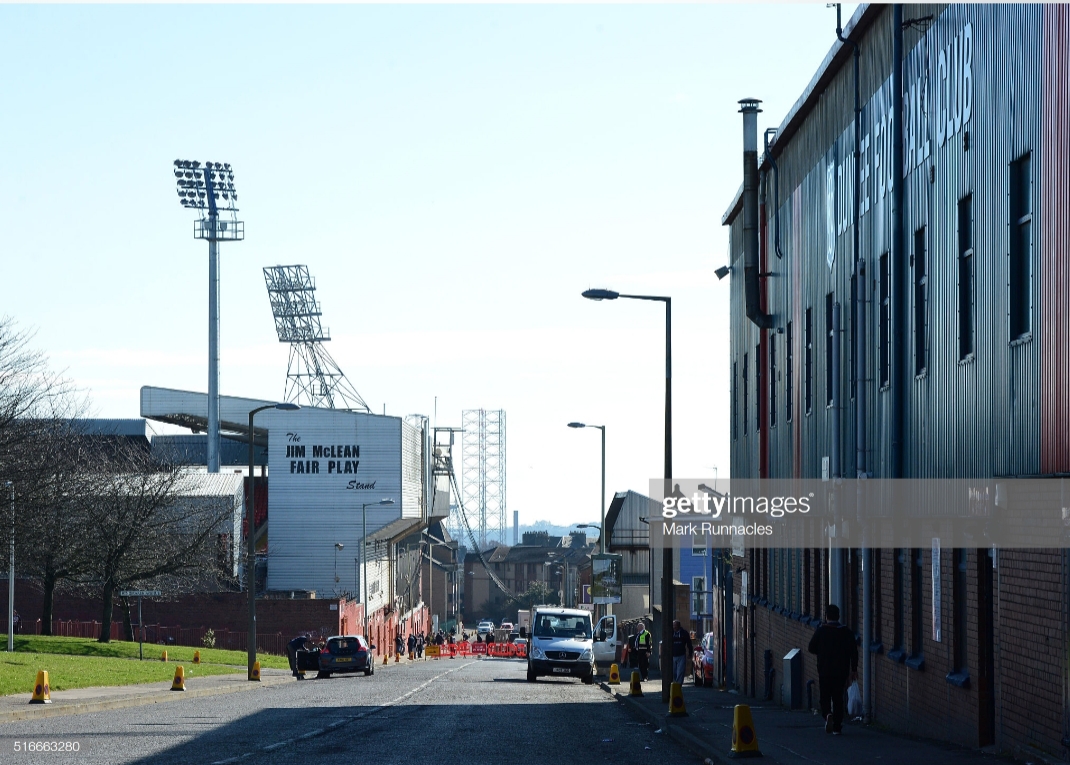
[479,648]
[464,648]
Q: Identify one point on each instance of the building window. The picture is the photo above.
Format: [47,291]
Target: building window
[788,401]
[772,380]
[758,387]
[808,341]
[958,586]
[746,394]
[698,545]
[898,595]
[921,292]
[698,595]
[1020,266]
[735,401]
[830,342]
[916,633]
[885,328]
[966,277]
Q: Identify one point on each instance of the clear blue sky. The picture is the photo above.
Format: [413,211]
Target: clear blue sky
[453,176]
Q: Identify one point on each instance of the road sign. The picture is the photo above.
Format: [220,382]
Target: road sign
[140,593]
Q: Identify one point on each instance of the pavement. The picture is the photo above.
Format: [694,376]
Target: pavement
[81,700]
[784,737]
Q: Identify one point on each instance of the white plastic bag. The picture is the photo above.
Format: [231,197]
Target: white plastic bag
[854,700]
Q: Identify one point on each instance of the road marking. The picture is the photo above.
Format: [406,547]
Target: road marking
[339,723]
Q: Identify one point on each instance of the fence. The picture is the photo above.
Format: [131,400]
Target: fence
[188,636]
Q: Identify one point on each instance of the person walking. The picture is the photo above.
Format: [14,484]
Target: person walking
[412,646]
[681,649]
[419,646]
[295,645]
[399,644]
[641,645]
[837,664]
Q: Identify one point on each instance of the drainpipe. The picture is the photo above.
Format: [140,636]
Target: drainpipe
[749,109]
[859,339]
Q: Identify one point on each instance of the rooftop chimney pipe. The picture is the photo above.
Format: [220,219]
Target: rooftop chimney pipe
[749,108]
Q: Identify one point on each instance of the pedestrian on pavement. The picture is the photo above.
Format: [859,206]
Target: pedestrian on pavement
[399,644]
[641,645]
[412,646]
[681,649]
[17,622]
[419,646]
[295,645]
[837,664]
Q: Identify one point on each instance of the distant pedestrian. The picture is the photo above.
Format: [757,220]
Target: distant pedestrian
[412,646]
[295,645]
[681,649]
[837,664]
[399,644]
[419,646]
[17,621]
[490,637]
[641,645]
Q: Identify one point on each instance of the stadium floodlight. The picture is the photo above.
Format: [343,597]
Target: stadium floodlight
[210,190]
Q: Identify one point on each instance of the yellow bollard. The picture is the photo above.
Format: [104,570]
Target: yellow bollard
[636,687]
[196,657]
[744,739]
[255,675]
[677,708]
[179,683]
[614,675]
[397,658]
[40,689]
[163,656]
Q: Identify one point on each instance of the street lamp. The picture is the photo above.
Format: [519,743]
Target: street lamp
[210,189]
[250,530]
[337,548]
[667,605]
[11,575]
[364,555]
[601,537]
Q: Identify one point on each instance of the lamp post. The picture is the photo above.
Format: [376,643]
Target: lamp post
[210,189]
[11,575]
[601,537]
[250,533]
[364,554]
[337,548]
[667,604]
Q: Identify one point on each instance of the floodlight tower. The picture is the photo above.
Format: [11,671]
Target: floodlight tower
[483,470]
[210,189]
[313,377]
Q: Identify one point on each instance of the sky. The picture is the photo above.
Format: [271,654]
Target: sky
[453,176]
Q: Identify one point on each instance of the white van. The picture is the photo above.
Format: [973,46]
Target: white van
[608,643]
[561,643]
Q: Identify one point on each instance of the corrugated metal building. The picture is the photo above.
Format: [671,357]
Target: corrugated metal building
[966,363]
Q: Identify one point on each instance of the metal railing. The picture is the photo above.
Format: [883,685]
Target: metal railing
[158,634]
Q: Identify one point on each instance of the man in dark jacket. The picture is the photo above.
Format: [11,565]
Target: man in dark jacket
[295,645]
[837,663]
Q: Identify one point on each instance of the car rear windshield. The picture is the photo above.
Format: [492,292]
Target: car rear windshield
[343,646]
[551,625]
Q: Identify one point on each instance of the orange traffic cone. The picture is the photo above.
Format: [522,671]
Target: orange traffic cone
[614,675]
[40,689]
[744,739]
[255,674]
[179,683]
[196,657]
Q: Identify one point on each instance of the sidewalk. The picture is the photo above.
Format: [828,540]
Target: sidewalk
[80,700]
[784,737]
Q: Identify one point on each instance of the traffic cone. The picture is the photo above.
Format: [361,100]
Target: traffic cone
[179,683]
[397,658]
[255,674]
[636,686]
[40,689]
[163,656]
[196,657]
[614,675]
[744,739]
[677,708]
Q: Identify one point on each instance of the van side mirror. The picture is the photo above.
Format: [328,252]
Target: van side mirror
[601,636]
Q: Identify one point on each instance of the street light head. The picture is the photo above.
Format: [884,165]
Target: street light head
[287,407]
[722,272]
[601,294]
[576,425]
[386,501]
[338,546]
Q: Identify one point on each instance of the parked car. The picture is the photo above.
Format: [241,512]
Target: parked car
[507,626]
[346,653]
[705,659]
[484,627]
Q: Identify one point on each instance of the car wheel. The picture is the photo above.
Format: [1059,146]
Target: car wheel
[588,680]
[531,676]
[322,675]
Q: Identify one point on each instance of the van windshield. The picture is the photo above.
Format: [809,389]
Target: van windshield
[551,625]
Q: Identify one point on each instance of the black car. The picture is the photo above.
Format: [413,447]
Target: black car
[346,653]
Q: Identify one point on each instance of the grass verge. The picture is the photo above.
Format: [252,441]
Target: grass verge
[85,663]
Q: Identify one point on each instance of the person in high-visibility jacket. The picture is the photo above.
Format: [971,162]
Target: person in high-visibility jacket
[640,646]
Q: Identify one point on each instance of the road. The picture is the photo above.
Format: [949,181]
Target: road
[441,712]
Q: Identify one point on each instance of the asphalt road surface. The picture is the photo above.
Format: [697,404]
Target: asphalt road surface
[443,712]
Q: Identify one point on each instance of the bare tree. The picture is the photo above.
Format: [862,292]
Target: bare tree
[146,527]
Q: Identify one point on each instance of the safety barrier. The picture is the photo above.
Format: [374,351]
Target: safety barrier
[505,650]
